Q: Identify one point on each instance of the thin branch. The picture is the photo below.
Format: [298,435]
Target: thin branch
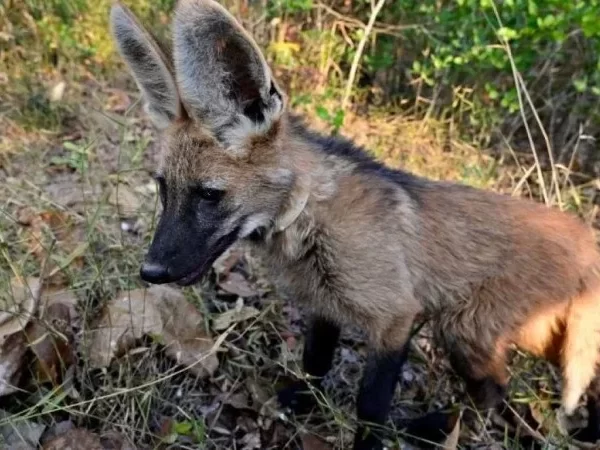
[359,52]
[378,27]
[517,82]
[522,91]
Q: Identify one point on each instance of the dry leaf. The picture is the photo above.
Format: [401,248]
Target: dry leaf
[81,439]
[19,433]
[239,400]
[53,231]
[51,340]
[57,429]
[251,440]
[17,305]
[312,442]
[112,440]
[118,101]
[53,296]
[162,312]
[224,320]
[238,314]
[12,352]
[147,190]
[127,200]
[236,283]
[71,194]
[76,439]
[56,93]
[228,260]
[451,441]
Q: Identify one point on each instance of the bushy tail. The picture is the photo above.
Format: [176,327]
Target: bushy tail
[581,347]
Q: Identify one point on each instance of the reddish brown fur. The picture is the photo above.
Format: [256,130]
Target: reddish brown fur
[360,244]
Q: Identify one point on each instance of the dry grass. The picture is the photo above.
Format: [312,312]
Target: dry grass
[68,154]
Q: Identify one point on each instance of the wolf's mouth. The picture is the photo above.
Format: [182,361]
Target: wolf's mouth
[222,244]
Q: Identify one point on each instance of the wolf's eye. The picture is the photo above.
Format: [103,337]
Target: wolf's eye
[209,194]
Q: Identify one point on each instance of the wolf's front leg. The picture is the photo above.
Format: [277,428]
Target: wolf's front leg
[320,343]
[375,396]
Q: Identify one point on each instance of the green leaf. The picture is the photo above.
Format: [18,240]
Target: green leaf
[183,428]
[507,33]
[322,112]
[580,84]
[71,147]
[338,119]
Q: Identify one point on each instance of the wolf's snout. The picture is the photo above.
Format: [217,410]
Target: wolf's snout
[154,273]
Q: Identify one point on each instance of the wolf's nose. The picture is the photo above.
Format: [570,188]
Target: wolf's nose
[154,273]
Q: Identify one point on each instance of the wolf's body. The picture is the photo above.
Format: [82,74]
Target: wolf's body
[377,247]
[355,241]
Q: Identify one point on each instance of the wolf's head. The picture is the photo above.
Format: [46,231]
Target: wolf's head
[224,172]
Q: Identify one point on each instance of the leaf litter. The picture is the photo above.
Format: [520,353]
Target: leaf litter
[18,305]
[162,313]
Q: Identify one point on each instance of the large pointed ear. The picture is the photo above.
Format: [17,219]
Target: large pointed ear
[151,68]
[224,79]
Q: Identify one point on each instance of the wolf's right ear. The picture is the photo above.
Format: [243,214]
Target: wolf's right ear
[151,68]
[223,77]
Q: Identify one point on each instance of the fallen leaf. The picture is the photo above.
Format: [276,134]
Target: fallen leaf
[81,439]
[112,440]
[56,93]
[53,296]
[76,439]
[312,442]
[541,411]
[118,101]
[50,339]
[258,393]
[125,199]
[162,312]
[148,190]
[228,260]
[251,440]
[236,283]
[57,429]
[71,194]
[451,441]
[25,215]
[239,400]
[52,234]
[18,304]
[19,433]
[12,353]
[239,314]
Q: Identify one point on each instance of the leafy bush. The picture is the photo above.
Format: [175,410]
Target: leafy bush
[459,57]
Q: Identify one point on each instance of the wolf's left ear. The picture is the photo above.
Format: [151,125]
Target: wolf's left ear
[223,78]
[149,65]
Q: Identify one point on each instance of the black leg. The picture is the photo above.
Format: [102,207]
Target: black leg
[430,430]
[485,392]
[319,347]
[375,396]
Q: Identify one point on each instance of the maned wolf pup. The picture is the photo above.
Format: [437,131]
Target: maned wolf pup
[355,241]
